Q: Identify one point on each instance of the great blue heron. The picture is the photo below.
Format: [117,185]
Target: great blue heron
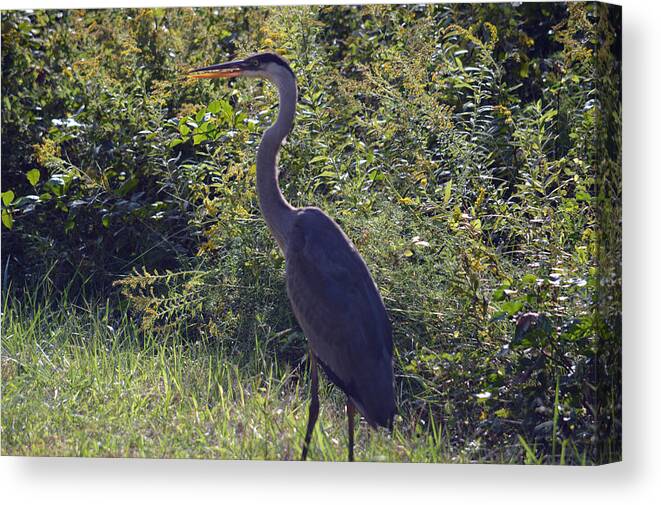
[330,288]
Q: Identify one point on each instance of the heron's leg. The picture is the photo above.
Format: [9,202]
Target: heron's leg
[350,415]
[314,404]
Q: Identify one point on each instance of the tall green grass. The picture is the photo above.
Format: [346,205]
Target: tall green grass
[82,381]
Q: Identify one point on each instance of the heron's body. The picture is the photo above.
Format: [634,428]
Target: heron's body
[341,312]
[332,293]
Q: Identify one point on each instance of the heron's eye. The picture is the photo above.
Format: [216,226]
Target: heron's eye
[254,63]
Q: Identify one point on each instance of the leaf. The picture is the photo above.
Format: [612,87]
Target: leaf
[583,196]
[203,128]
[128,186]
[328,174]
[512,307]
[498,294]
[375,175]
[502,413]
[529,279]
[184,129]
[56,184]
[214,107]
[227,110]
[7,220]
[7,197]
[26,200]
[447,193]
[105,221]
[549,115]
[33,176]
[498,316]
[421,243]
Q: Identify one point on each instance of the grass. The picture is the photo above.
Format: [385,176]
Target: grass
[76,385]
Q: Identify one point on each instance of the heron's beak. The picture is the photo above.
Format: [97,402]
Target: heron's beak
[219,71]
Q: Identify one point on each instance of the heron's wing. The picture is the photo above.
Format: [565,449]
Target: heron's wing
[339,307]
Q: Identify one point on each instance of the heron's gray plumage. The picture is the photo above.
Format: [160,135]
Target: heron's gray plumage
[341,312]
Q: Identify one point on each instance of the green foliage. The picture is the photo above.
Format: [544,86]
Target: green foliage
[471,152]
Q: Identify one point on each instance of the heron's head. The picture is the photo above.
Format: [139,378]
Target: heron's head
[265,65]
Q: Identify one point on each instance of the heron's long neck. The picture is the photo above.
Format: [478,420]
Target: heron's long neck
[276,210]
